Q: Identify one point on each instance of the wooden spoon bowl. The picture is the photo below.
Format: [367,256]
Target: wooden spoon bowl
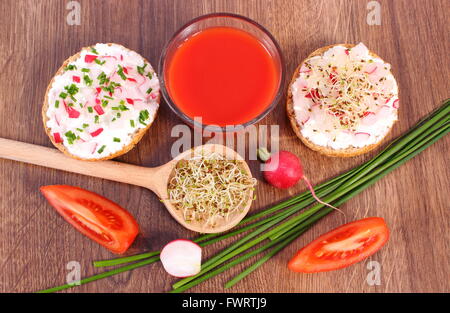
[154,178]
[167,171]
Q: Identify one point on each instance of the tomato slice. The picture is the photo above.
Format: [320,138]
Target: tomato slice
[98,218]
[342,247]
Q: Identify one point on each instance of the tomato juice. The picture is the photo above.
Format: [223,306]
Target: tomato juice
[224,75]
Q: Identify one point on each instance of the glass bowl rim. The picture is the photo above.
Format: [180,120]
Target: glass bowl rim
[215,128]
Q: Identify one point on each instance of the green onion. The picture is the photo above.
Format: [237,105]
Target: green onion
[111,87]
[85,70]
[57,104]
[270,254]
[141,69]
[70,67]
[120,72]
[72,89]
[143,116]
[70,137]
[103,275]
[123,107]
[132,123]
[101,149]
[102,79]
[280,225]
[87,80]
[90,109]
[115,139]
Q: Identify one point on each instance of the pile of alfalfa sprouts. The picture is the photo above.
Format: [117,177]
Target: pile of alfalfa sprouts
[208,187]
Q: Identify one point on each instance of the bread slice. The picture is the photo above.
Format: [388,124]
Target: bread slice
[347,152]
[137,136]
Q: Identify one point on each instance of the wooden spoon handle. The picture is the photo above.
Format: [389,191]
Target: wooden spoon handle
[48,157]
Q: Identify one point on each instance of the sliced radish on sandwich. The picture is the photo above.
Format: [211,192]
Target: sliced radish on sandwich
[333,78]
[396,104]
[94,147]
[369,118]
[84,136]
[57,137]
[371,68]
[384,111]
[97,132]
[109,56]
[301,83]
[314,93]
[57,118]
[98,108]
[359,51]
[362,136]
[303,116]
[304,69]
[181,258]
[89,58]
[71,111]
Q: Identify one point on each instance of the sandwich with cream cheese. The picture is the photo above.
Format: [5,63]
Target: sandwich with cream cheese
[101,102]
[343,100]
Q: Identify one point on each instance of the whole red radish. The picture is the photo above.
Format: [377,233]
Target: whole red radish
[284,169]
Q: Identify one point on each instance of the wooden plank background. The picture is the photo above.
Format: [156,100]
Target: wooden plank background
[36,244]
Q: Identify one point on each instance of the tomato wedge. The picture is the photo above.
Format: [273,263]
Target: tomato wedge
[98,218]
[342,247]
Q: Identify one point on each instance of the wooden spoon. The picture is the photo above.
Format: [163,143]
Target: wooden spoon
[156,179]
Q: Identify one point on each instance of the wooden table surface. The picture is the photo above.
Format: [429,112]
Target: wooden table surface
[35,242]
